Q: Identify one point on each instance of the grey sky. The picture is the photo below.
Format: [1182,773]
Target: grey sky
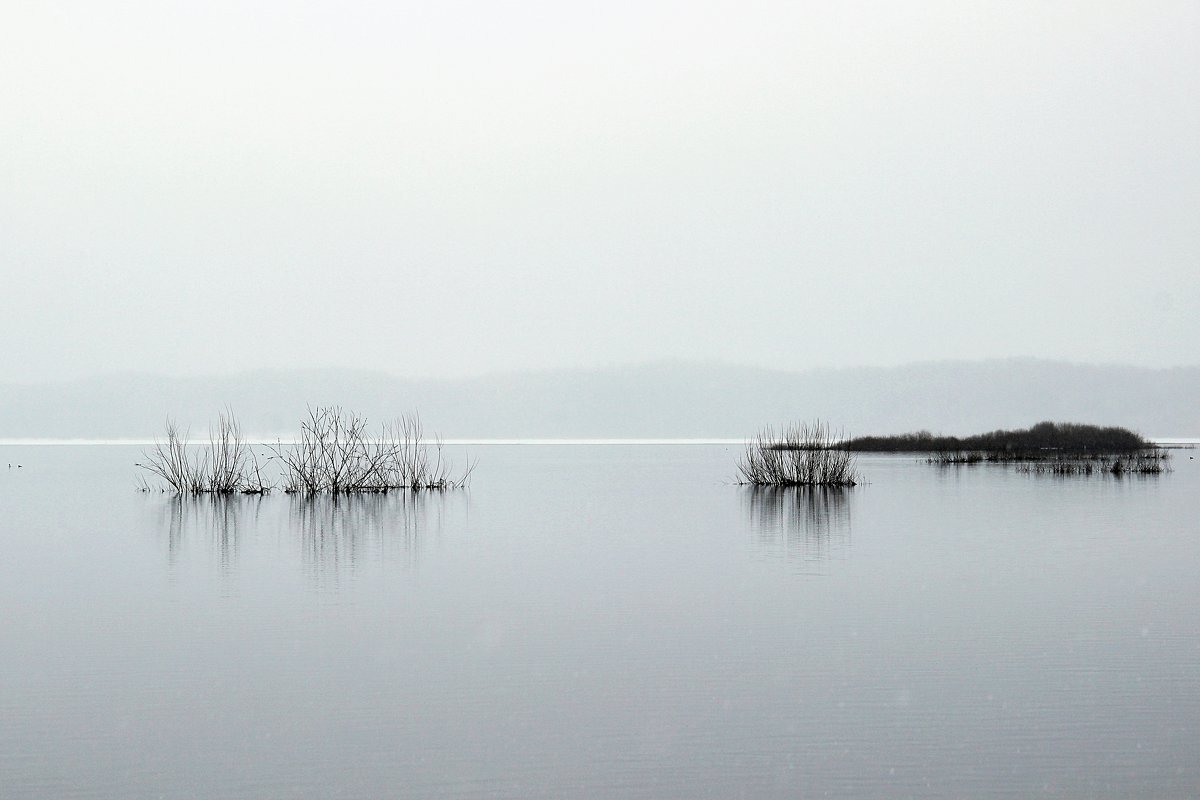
[450,188]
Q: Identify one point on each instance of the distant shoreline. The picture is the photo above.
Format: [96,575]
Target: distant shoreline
[1165,442]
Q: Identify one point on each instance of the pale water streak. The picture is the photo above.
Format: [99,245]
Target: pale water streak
[600,621]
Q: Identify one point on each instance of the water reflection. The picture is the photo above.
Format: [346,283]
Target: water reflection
[340,534]
[222,519]
[807,525]
[331,537]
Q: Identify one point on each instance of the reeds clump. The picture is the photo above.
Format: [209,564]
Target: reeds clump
[335,454]
[226,466]
[801,454]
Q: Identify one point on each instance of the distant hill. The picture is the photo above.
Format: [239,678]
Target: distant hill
[667,400]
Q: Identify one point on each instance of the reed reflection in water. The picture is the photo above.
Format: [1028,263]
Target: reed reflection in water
[339,534]
[806,525]
[219,519]
[330,536]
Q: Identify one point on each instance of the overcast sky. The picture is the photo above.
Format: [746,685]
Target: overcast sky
[452,188]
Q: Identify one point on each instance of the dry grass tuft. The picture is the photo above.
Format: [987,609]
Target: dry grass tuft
[801,455]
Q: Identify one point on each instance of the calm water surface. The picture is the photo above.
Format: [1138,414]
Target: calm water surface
[600,621]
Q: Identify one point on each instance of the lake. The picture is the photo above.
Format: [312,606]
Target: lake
[590,621]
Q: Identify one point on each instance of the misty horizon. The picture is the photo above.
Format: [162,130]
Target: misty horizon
[599,368]
[457,190]
[659,400]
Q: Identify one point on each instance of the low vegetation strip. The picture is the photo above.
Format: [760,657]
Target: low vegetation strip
[1041,440]
[1046,448]
[1138,464]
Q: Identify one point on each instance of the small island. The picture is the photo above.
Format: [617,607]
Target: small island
[1038,440]
[1054,447]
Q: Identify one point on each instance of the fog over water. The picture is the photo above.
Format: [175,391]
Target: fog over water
[454,188]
